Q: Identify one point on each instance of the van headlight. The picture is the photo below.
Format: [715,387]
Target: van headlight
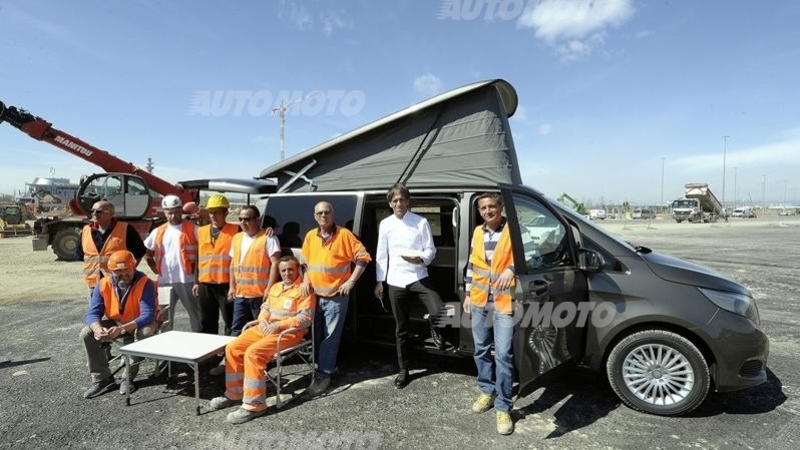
[735,303]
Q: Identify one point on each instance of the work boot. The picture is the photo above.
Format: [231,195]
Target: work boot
[402,379]
[319,387]
[217,371]
[127,387]
[100,387]
[505,425]
[221,403]
[483,403]
[242,415]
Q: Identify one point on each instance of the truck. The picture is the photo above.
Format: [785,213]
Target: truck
[698,205]
[124,184]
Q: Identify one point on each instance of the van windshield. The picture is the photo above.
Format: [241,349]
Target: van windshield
[584,222]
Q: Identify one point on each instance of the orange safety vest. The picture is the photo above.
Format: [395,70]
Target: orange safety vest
[95,262]
[214,260]
[188,247]
[288,306]
[328,264]
[252,273]
[483,276]
[111,301]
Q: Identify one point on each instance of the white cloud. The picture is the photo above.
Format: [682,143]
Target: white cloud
[574,28]
[544,129]
[332,21]
[428,84]
[304,18]
[298,16]
[786,153]
[520,114]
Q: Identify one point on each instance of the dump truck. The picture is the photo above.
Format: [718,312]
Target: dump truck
[698,205]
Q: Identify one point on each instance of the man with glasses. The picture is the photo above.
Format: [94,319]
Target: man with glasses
[122,306]
[172,254]
[254,266]
[329,250]
[102,237]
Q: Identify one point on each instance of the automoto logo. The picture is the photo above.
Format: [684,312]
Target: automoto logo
[472,9]
[544,314]
[259,103]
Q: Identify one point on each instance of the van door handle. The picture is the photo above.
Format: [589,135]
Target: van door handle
[538,287]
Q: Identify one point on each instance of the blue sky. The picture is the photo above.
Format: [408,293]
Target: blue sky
[607,88]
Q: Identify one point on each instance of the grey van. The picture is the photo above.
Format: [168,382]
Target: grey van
[668,327]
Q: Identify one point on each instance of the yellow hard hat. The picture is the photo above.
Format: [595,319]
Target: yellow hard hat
[218,201]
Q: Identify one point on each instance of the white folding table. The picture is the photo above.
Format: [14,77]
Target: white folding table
[178,346]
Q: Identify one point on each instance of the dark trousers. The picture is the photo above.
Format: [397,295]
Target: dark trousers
[400,299]
[213,299]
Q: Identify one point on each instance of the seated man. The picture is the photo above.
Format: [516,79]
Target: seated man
[248,355]
[122,305]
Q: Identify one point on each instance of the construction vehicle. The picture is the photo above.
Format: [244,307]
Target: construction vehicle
[12,221]
[698,205]
[575,205]
[124,184]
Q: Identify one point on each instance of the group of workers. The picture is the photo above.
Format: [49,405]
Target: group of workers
[238,272]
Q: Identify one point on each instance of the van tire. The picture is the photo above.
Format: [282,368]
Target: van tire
[660,362]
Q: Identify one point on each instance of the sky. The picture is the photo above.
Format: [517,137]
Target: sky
[619,100]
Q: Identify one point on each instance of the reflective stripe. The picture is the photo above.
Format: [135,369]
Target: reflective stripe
[236,390]
[262,398]
[328,269]
[255,384]
[234,376]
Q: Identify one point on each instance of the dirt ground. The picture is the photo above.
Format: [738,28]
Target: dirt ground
[43,373]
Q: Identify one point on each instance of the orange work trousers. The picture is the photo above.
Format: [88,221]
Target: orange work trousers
[246,357]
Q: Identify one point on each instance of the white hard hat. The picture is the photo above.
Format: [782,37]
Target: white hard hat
[171,201]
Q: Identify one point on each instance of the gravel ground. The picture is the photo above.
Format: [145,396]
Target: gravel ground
[43,373]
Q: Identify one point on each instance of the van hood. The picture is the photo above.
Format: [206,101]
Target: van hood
[684,272]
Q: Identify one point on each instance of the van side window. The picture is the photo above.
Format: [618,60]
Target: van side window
[298,212]
[544,238]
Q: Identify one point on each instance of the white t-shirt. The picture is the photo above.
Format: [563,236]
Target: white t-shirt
[411,234]
[171,270]
[273,246]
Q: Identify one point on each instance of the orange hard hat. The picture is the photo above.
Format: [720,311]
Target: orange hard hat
[191,208]
[121,260]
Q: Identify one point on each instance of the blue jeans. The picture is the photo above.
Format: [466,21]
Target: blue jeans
[328,326]
[244,310]
[495,375]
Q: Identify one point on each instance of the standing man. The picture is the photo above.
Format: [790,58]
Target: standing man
[122,305]
[254,267]
[214,266]
[329,250]
[405,249]
[489,285]
[246,357]
[172,254]
[102,237]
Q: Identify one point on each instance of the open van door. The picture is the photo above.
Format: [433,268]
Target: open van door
[550,286]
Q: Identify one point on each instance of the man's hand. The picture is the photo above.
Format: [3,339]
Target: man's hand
[467,304]
[346,287]
[231,294]
[101,333]
[114,332]
[268,328]
[269,232]
[379,290]
[414,260]
[196,290]
[306,289]
[504,280]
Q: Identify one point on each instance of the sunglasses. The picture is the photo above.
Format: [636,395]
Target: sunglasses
[246,219]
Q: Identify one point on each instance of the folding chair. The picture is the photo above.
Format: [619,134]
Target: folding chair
[304,351]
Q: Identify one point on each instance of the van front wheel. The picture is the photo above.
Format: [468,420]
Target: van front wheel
[658,372]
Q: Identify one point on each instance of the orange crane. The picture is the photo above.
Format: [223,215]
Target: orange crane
[124,184]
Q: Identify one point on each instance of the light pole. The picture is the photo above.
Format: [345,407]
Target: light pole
[784,191]
[661,205]
[724,155]
[735,191]
[763,197]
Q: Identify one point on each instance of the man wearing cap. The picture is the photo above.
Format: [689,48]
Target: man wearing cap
[102,237]
[172,254]
[123,305]
[214,263]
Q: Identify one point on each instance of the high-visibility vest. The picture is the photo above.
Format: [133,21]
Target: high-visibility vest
[288,306]
[214,260]
[111,300]
[328,264]
[252,273]
[188,247]
[483,276]
[95,261]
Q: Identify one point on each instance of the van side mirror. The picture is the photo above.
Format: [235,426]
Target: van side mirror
[590,261]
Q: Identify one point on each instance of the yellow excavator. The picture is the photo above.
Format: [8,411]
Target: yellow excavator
[12,221]
[575,205]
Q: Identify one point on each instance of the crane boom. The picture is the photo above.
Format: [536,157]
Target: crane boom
[42,130]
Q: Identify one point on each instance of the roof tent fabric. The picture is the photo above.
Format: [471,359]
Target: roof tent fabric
[457,139]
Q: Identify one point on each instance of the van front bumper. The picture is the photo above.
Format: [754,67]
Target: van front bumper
[740,351]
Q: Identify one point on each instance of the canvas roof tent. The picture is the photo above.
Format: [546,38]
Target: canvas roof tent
[457,139]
